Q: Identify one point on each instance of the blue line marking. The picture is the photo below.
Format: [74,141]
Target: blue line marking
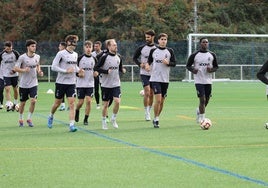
[202,165]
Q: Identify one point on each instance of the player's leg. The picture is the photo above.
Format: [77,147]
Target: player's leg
[157,102]
[147,101]
[33,99]
[81,97]
[89,95]
[23,92]
[2,86]
[96,91]
[71,95]
[59,94]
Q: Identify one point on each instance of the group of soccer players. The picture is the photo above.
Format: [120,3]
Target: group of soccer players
[76,76]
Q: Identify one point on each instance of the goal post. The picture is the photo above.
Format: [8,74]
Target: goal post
[193,39]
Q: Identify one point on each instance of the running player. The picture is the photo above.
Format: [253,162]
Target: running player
[8,59]
[28,65]
[109,66]
[140,58]
[202,64]
[65,63]
[161,58]
[85,83]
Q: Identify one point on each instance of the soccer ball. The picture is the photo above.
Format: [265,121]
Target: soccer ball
[17,107]
[9,105]
[266,125]
[205,124]
[142,93]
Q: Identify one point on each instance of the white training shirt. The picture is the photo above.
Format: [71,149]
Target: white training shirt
[64,60]
[28,79]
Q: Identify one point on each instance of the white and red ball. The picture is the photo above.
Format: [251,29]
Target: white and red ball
[205,124]
[9,105]
[142,93]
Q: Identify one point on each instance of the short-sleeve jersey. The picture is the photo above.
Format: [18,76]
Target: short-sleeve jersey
[8,61]
[201,60]
[28,79]
[64,60]
[143,52]
[160,71]
[114,63]
[87,63]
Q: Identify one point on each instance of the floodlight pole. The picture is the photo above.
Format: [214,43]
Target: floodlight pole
[84,21]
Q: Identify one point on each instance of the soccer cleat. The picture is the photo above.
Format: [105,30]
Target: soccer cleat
[156,124]
[73,128]
[62,108]
[98,106]
[30,123]
[147,116]
[115,125]
[1,107]
[20,123]
[85,122]
[76,118]
[49,122]
[197,116]
[104,125]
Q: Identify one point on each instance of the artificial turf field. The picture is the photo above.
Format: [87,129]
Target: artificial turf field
[232,153]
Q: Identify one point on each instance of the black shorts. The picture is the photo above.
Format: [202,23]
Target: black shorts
[145,80]
[203,90]
[2,84]
[11,81]
[82,92]
[109,93]
[61,89]
[25,93]
[160,88]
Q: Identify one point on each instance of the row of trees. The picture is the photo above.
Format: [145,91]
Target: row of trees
[51,20]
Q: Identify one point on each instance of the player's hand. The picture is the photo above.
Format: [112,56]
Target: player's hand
[165,61]
[124,70]
[147,67]
[209,69]
[195,71]
[27,69]
[40,73]
[142,65]
[81,73]
[70,70]
[95,73]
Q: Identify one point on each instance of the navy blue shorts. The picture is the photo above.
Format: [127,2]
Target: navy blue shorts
[203,90]
[145,80]
[160,88]
[25,93]
[61,89]
[82,92]
[109,93]
[2,84]
[11,81]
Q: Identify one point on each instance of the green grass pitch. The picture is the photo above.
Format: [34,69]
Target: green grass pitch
[232,153]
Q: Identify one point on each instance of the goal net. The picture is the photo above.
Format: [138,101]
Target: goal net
[239,55]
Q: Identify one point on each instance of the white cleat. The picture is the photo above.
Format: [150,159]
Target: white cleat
[115,125]
[104,125]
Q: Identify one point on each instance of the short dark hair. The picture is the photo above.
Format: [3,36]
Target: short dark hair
[63,44]
[98,42]
[202,38]
[71,38]
[150,32]
[30,42]
[8,44]
[88,42]
[162,35]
